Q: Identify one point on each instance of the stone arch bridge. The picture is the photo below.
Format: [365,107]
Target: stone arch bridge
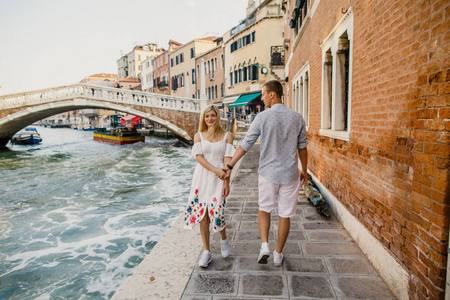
[179,115]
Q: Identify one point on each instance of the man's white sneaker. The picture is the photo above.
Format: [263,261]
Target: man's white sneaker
[263,256]
[225,247]
[205,259]
[277,258]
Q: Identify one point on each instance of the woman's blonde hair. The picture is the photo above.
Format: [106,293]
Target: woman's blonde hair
[216,129]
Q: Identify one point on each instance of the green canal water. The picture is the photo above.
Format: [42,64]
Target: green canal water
[77,216]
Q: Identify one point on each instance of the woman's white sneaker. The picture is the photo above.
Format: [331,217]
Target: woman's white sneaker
[277,258]
[225,247]
[205,259]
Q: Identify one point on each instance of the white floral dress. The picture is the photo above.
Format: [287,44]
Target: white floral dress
[207,189]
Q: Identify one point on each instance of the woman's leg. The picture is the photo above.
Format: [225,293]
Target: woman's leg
[223,234]
[204,231]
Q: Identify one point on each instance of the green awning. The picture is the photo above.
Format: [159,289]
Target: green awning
[244,99]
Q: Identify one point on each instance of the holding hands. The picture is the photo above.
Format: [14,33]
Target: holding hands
[221,174]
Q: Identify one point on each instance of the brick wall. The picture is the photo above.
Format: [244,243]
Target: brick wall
[393,173]
[184,120]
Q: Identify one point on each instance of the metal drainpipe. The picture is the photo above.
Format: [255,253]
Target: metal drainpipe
[447,285]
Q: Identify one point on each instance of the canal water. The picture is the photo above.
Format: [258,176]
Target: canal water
[77,215]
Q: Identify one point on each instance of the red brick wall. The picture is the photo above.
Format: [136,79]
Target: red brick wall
[393,173]
[186,121]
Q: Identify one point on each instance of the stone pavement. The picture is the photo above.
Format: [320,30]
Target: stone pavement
[321,260]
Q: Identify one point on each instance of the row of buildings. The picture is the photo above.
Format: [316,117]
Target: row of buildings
[372,81]
[219,69]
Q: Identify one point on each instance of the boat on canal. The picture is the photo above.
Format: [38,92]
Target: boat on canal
[27,136]
[118,136]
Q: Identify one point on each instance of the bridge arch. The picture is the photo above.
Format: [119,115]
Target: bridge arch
[23,117]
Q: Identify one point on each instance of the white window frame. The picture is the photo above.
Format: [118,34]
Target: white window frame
[301,91]
[331,43]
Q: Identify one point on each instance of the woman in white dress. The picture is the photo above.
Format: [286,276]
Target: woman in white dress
[213,149]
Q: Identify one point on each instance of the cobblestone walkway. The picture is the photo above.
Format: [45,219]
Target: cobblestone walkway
[321,260]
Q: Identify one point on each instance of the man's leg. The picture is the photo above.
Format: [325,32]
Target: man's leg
[287,205]
[283,232]
[264,225]
[267,196]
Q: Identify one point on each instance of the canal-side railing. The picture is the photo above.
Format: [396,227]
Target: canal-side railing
[100,93]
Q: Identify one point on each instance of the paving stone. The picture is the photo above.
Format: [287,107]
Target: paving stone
[328,235]
[317,217]
[249,225]
[250,210]
[232,225]
[216,237]
[307,265]
[241,217]
[218,263]
[232,211]
[370,287]
[230,204]
[295,225]
[296,235]
[253,199]
[245,248]
[311,286]
[212,283]
[321,225]
[242,298]
[235,199]
[243,236]
[350,266]
[251,204]
[187,297]
[250,263]
[258,285]
[332,249]
[289,248]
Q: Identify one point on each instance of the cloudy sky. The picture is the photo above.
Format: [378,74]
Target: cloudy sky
[47,43]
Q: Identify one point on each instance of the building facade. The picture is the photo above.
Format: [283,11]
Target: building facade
[209,74]
[249,48]
[161,69]
[371,80]
[129,65]
[147,75]
[182,66]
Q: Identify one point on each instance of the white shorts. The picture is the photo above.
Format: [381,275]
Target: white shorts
[287,195]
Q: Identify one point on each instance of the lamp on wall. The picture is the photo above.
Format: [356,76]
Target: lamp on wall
[264,70]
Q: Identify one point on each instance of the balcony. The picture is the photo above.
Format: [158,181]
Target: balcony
[162,85]
[277,56]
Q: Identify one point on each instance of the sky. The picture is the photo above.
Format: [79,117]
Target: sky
[49,43]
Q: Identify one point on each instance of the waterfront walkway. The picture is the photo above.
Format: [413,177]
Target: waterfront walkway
[321,260]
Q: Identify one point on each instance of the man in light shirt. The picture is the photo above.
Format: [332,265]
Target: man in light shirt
[283,141]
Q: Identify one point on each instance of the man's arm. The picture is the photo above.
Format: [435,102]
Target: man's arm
[236,157]
[303,156]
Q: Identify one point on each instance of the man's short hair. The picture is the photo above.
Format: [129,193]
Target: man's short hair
[274,86]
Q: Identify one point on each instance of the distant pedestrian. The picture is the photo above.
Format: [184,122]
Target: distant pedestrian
[243,114]
[213,148]
[283,141]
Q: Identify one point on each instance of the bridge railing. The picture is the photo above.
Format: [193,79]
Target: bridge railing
[100,93]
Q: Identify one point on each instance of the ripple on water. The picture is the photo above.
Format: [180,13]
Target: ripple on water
[77,216]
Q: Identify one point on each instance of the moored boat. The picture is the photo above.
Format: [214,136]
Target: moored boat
[27,136]
[118,136]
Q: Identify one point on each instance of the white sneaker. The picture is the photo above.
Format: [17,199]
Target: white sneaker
[263,256]
[277,258]
[205,259]
[225,247]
